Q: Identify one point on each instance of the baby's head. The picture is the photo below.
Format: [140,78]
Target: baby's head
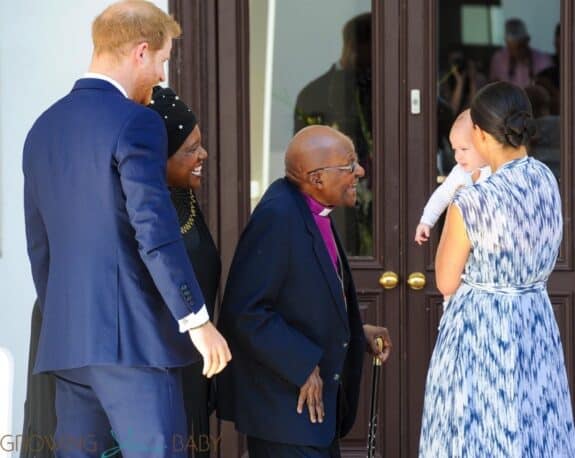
[460,137]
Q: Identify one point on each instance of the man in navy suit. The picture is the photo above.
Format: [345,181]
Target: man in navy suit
[121,306]
[290,311]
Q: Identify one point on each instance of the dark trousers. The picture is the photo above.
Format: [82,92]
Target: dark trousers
[39,412]
[198,402]
[105,409]
[259,448]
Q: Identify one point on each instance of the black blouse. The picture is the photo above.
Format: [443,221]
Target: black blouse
[199,244]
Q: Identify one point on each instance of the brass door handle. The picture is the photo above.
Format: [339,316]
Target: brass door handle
[388,280]
[416,280]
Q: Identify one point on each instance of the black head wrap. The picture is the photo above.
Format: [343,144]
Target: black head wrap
[180,120]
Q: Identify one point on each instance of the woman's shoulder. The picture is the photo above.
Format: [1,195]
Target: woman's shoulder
[469,196]
[538,165]
[525,167]
[544,172]
[523,175]
[480,193]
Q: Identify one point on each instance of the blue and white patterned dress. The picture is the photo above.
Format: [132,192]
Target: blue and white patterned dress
[497,385]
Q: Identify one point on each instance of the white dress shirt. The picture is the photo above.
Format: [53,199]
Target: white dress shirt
[113,82]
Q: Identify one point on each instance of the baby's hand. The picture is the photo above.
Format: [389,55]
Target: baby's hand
[422,233]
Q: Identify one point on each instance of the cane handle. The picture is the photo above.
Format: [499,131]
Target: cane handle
[379,343]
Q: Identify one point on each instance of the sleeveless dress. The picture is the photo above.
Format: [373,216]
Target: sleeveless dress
[497,384]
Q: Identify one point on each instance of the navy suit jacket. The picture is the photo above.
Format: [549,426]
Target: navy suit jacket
[103,236]
[284,313]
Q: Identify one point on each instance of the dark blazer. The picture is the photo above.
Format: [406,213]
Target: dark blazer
[284,313]
[108,261]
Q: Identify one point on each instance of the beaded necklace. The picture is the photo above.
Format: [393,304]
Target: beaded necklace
[190,222]
[185,203]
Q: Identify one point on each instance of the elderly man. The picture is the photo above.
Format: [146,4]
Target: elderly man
[120,302]
[290,311]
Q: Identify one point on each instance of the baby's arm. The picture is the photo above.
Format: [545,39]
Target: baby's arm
[438,202]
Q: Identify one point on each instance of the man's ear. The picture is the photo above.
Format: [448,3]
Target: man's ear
[141,51]
[315,179]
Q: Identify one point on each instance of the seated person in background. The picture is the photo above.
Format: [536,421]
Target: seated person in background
[471,168]
[517,63]
[546,145]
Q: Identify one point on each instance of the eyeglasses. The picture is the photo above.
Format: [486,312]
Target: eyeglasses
[344,168]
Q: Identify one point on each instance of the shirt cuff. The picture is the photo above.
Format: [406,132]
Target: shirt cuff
[194,320]
[426,221]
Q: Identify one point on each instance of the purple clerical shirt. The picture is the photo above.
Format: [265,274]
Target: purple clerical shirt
[323,222]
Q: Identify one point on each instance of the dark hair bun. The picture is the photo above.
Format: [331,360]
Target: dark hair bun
[504,111]
[519,128]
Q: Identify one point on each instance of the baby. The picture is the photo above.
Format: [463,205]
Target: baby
[470,169]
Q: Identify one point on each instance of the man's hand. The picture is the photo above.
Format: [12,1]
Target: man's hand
[213,348]
[422,233]
[371,334]
[312,393]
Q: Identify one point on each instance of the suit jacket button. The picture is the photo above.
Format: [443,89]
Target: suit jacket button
[336,377]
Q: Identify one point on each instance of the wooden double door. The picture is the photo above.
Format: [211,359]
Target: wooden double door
[407,156]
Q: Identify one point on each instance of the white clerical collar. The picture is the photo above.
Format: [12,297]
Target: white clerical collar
[113,82]
[316,207]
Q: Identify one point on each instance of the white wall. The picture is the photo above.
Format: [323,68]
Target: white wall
[44,47]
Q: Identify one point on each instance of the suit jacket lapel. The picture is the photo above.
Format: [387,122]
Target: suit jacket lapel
[322,255]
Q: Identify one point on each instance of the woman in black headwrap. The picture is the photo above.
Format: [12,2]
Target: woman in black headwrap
[184,175]
[186,156]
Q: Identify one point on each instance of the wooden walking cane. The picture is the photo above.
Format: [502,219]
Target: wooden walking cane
[375,376]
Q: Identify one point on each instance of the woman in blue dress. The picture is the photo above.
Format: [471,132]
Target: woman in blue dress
[497,385]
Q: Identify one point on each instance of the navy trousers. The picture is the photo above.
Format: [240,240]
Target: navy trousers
[259,448]
[104,410]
